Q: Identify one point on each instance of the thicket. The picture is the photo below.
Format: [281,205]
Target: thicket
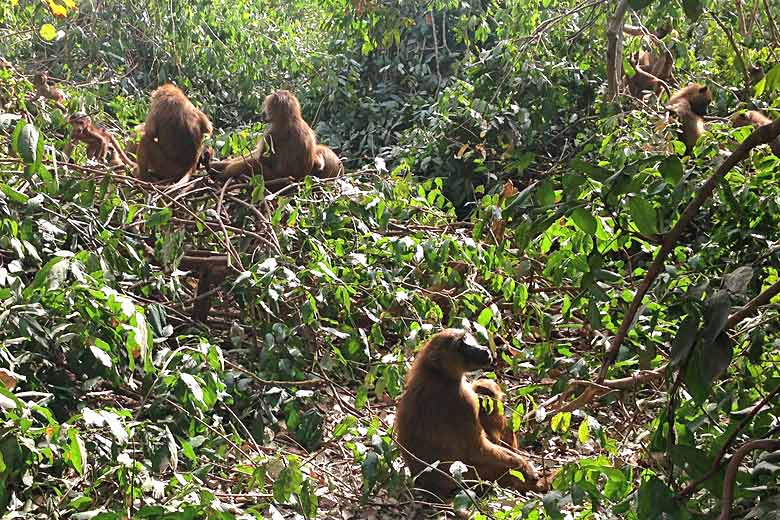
[494,182]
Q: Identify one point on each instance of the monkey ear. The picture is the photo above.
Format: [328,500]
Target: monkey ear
[703,89]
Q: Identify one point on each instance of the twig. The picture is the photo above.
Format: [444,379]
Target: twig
[304,382]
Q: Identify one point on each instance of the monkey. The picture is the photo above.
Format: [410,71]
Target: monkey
[211,269]
[756,74]
[171,137]
[756,119]
[45,90]
[652,73]
[491,414]
[437,419]
[287,149]
[101,144]
[206,157]
[690,104]
[326,164]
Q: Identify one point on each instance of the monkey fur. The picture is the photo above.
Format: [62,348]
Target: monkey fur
[689,104]
[755,118]
[438,419]
[287,149]
[171,137]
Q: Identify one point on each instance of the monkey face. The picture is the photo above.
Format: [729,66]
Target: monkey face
[470,352]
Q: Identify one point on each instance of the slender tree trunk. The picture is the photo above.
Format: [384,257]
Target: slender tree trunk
[615,49]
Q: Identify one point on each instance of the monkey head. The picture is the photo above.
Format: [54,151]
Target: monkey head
[700,98]
[280,107]
[40,78]
[454,351]
[79,122]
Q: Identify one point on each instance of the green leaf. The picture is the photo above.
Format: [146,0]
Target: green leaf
[772,79]
[12,194]
[644,215]
[77,452]
[656,498]
[47,32]
[27,145]
[308,500]
[716,315]
[693,9]
[485,316]
[370,470]
[584,220]
[583,432]
[560,422]
[545,194]
[636,5]
[343,427]
[289,480]
[672,170]
[683,341]
[696,463]
[594,172]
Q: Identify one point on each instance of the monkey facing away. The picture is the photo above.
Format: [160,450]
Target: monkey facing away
[45,90]
[101,144]
[652,73]
[690,104]
[438,419]
[491,414]
[172,137]
[755,118]
[287,148]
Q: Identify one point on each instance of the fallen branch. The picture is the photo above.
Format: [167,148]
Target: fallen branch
[733,469]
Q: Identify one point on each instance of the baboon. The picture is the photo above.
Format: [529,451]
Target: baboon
[46,90]
[756,119]
[326,163]
[652,73]
[172,137]
[491,415]
[438,419]
[101,144]
[286,149]
[690,104]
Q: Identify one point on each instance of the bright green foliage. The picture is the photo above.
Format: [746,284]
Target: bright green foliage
[114,404]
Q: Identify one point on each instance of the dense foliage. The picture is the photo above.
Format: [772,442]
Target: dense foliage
[493,184]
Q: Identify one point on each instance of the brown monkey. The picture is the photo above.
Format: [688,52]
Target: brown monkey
[45,90]
[690,104]
[172,137]
[491,413]
[438,419]
[286,149]
[101,144]
[756,119]
[756,74]
[652,73]
[326,163]
[211,269]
